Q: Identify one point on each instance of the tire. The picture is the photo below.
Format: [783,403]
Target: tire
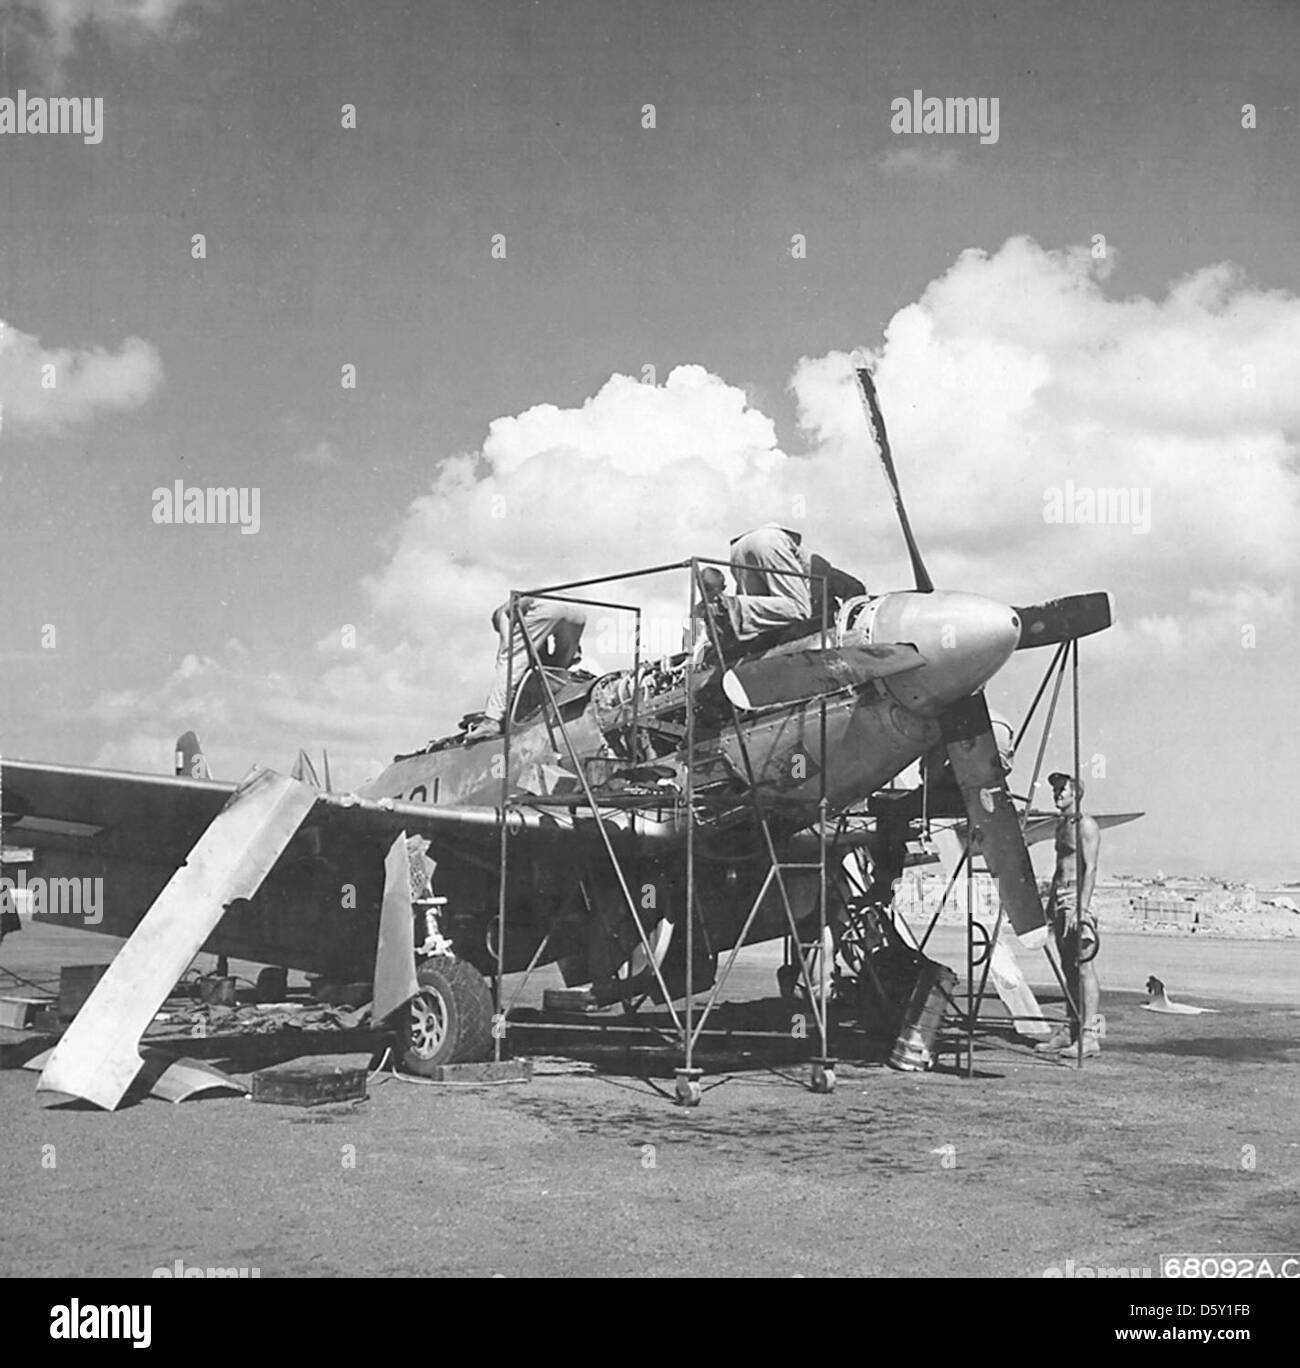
[449,1021]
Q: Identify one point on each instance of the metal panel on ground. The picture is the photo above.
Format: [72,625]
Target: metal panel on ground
[98,1058]
[395,980]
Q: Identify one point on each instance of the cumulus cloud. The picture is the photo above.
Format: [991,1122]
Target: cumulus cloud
[46,32]
[1245,617]
[47,388]
[1015,374]
[921,163]
[245,714]
[639,473]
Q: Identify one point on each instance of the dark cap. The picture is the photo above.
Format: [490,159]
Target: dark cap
[1058,779]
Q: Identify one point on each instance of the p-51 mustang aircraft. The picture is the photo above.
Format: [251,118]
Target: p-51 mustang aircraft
[596,772]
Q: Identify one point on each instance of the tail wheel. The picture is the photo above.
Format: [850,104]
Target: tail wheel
[449,1021]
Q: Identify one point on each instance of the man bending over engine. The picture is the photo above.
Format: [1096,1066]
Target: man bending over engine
[555,630]
[770,566]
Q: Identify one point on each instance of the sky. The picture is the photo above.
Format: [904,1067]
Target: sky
[599,269]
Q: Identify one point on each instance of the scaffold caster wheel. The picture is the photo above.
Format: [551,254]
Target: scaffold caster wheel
[688,1087]
[823,1076]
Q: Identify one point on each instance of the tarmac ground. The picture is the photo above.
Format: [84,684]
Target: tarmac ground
[1180,1139]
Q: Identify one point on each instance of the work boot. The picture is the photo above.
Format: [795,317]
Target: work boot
[1060,1038]
[1093,1031]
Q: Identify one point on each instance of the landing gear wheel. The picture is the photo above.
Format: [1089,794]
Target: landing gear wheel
[823,1076]
[688,1089]
[981,943]
[449,1021]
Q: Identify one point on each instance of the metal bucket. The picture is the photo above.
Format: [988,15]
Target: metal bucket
[217,991]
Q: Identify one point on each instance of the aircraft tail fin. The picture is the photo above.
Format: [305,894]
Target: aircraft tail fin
[304,771]
[191,763]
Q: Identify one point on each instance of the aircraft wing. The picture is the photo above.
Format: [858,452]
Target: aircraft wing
[1041,825]
[161,816]
[119,837]
[45,805]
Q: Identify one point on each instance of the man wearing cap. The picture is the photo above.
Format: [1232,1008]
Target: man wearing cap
[1075,927]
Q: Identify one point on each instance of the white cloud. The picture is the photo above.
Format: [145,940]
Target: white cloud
[244,714]
[1243,618]
[922,163]
[47,31]
[638,474]
[62,19]
[1013,373]
[48,388]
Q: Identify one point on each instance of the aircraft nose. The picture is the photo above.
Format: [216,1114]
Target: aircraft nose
[965,639]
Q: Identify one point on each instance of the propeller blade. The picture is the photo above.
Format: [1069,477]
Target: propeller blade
[994,821]
[1063,619]
[876,422]
[796,675]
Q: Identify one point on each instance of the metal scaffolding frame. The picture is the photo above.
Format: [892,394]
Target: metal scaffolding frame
[688,1027]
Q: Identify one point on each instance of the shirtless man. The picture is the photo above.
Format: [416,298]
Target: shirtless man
[1075,930]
